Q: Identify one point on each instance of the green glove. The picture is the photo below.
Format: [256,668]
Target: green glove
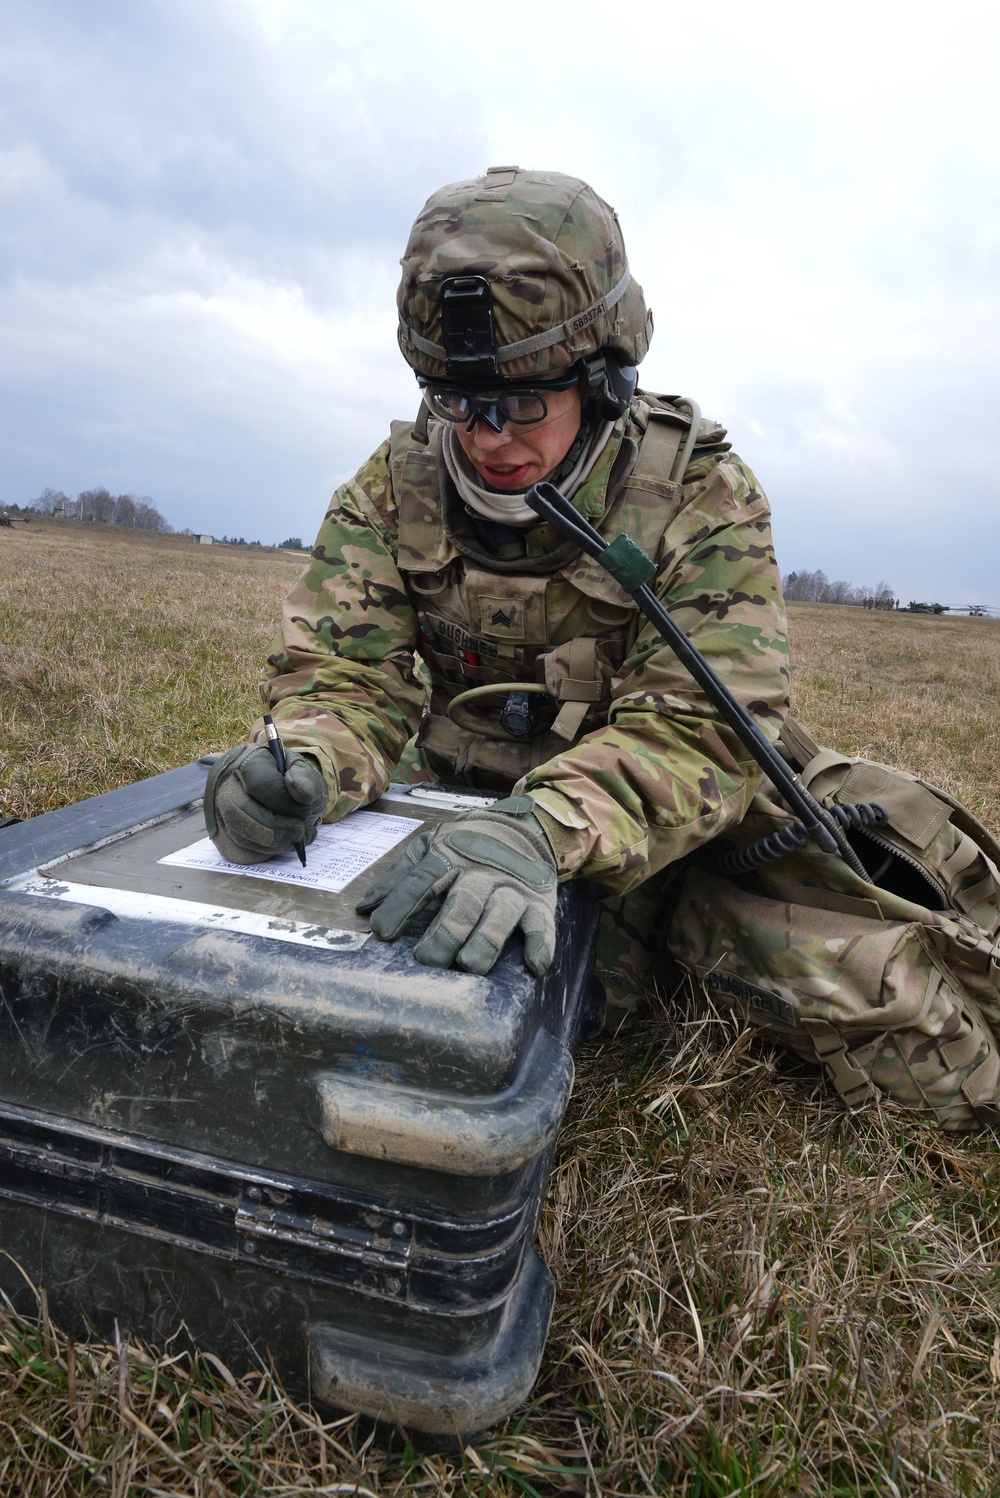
[497,873]
[252,811]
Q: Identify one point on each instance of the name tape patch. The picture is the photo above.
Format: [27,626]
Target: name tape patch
[728,986]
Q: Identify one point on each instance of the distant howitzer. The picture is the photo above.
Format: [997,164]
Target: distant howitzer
[632,569]
[925,608]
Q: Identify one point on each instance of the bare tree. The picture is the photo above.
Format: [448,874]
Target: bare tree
[102,507]
[125,510]
[806,587]
[96,505]
[148,517]
[816,587]
[51,502]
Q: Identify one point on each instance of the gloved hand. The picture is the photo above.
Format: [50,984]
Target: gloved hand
[252,811]
[496,871]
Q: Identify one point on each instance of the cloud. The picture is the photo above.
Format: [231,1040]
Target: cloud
[202,206]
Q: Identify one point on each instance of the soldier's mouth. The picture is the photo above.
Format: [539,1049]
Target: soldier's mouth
[506,475]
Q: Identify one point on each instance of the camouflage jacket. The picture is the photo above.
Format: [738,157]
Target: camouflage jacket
[630,765]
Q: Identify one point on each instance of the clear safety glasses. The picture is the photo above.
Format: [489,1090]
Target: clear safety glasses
[521,404]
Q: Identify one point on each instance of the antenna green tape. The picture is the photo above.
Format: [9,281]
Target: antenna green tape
[627,563]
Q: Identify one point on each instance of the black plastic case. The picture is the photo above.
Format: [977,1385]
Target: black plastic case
[225,1105]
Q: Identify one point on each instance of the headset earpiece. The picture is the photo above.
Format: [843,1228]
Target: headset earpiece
[620,383]
[607,386]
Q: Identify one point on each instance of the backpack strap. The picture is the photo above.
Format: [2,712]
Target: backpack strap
[662,444]
[641,505]
[796,744]
[850,1080]
[959,941]
[822,761]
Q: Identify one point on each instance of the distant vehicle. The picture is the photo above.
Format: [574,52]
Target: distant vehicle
[974,610]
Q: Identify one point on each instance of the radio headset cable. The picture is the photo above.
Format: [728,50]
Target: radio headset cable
[632,569]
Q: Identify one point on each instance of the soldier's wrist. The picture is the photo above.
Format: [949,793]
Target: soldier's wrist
[565,841]
[521,809]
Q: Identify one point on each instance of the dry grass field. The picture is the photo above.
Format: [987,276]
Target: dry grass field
[757,1292]
[124,653]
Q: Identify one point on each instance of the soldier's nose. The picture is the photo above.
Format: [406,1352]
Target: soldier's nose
[487,440]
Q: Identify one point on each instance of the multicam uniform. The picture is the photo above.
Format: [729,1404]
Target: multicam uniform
[630,767]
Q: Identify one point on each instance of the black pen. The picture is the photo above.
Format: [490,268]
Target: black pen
[277,749]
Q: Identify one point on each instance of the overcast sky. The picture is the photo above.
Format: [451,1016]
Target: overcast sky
[203,204]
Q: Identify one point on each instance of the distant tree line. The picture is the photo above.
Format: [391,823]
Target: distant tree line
[235,541]
[816,587]
[103,508]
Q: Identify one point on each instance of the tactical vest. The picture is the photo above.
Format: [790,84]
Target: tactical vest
[553,619]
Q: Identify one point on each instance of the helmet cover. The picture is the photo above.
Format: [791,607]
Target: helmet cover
[555,259]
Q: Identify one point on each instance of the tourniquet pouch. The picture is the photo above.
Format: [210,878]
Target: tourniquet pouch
[894,987]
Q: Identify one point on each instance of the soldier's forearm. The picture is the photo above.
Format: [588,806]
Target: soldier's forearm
[619,806]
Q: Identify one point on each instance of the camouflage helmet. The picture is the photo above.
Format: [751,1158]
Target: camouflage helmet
[554,260]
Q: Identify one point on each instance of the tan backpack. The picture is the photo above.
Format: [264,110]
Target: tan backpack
[893,986]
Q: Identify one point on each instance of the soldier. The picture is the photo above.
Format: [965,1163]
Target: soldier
[524,327]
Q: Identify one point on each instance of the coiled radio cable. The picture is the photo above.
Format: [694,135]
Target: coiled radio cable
[788,839]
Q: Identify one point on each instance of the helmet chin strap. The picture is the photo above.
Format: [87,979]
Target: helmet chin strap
[577,447]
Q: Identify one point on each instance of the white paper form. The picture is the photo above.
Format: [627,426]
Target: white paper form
[341,852]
